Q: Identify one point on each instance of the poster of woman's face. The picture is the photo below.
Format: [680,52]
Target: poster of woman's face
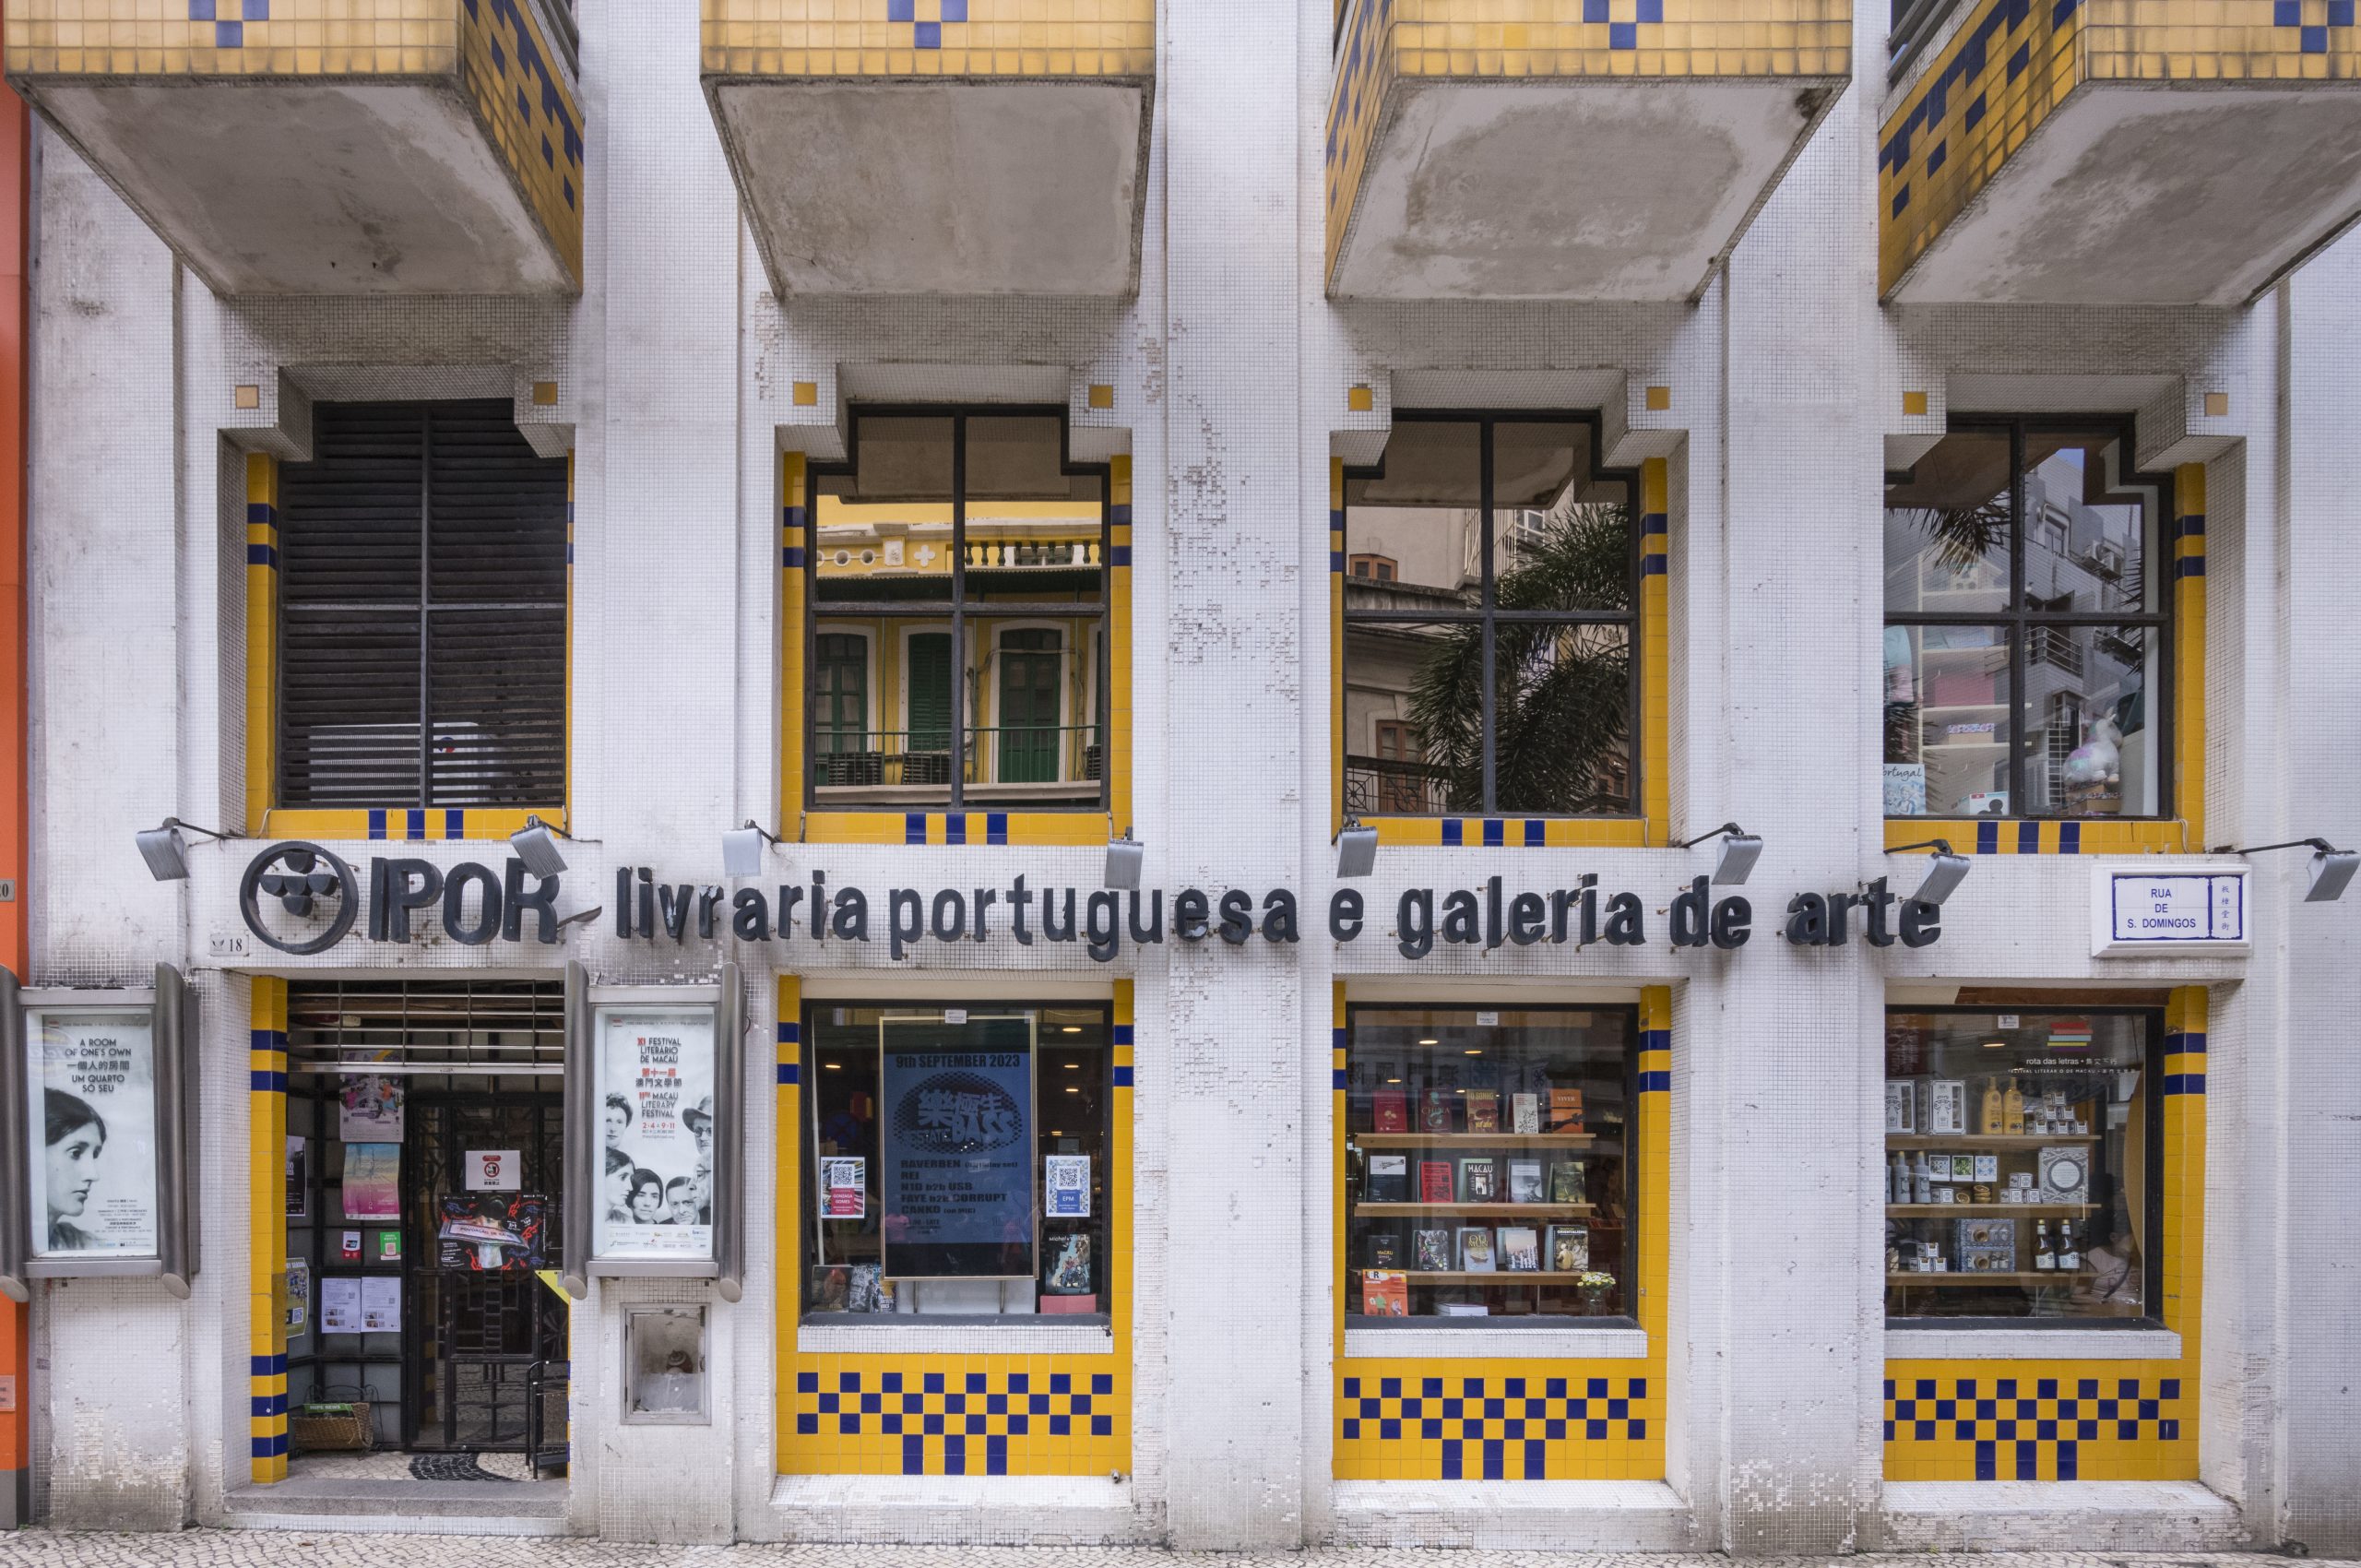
[656,1098]
[93,1111]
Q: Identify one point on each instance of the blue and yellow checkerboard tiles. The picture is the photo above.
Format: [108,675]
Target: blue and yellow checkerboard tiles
[930,37]
[2014,62]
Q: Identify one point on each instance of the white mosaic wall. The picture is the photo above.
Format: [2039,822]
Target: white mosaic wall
[1230,375]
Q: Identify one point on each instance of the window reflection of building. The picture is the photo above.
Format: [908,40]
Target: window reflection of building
[958,589]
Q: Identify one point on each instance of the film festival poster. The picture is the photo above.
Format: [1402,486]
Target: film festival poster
[369,1109]
[956,1117]
[656,1173]
[93,1186]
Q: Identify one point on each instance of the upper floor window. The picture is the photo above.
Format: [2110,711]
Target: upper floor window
[1489,667]
[957,596]
[2026,652]
[422,611]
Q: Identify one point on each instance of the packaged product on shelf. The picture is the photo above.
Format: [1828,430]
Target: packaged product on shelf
[1901,1106]
[1942,1106]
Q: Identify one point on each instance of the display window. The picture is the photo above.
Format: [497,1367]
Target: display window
[2021,1168]
[2027,665]
[957,1160]
[955,596]
[1488,1164]
[1490,623]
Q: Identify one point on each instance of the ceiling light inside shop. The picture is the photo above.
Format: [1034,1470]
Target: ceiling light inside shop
[1471,1053]
[1431,1042]
[1074,1028]
[1073,1088]
[1996,1044]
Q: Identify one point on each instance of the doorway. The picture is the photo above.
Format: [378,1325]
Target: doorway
[425,1158]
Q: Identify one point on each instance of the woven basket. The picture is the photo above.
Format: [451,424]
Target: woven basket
[330,1429]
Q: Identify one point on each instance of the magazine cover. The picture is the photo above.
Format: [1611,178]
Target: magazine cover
[92,1078]
[1068,1272]
[655,1174]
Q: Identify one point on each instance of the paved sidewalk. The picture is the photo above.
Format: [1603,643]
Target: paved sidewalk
[284,1548]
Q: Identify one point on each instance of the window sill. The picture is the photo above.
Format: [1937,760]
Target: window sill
[2058,1341]
[909,1333]
[1534,1342]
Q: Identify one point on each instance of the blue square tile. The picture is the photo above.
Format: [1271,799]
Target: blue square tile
[228,35]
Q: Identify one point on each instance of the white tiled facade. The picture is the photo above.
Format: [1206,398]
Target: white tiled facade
[1230,372]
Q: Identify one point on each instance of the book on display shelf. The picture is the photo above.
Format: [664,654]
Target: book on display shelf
[1569,1249]
[1434,1111]
[1525,1181]
[1384,1295]
[1433,1251]
[1390,1111]
[1483,1111]
[1434,1182]
[1385,1250]
[1524,1113]
[1565,1111]
[1389,1178]
[1463,1308]
[1567,1183]
[1478,1181]
[1475,1250]
[1520,1248]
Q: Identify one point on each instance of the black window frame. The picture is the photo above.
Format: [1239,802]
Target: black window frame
[1630,1318]
[808,1140]
[2018,622]
[2151,1261]
[424,606]
[1489,615]
[956,611]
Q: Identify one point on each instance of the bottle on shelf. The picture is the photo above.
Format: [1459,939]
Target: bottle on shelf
[1922,1181]
[2013,1109]
[1898,1184]
[2043,1258]
[1988,1115]
[2070,1254]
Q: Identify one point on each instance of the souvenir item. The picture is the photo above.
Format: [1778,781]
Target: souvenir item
[2065,1173]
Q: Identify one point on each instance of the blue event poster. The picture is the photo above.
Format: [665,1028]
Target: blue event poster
[955,1125]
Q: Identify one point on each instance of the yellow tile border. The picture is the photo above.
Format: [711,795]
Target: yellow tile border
[762,39]
[267,1229]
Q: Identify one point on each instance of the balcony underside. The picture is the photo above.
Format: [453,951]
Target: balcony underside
[1567,189]
[2150,193]
[941,186]
[313,186]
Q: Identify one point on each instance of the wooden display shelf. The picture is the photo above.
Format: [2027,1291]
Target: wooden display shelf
[2001,1141]
[2030,1211]
[1473,1140]
[1502,1210]
[2029,1276]
[1479,1276]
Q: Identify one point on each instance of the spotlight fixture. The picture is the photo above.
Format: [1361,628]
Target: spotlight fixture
[2332,868]
[1124,856]
[1945,871]
[166,852]
[536,845]
[742,850]
[1356,850]
[1739,850]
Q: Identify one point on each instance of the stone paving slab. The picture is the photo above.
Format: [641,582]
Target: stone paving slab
[290,1548]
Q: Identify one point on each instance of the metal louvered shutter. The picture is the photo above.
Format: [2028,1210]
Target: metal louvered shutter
[423,628]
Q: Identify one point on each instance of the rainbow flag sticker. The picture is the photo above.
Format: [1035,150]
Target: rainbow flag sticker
[2071,1034]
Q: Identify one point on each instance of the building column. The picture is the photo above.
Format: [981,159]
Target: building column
[1235,531]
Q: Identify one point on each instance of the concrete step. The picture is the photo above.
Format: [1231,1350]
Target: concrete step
[2057,1516]
[488,1507]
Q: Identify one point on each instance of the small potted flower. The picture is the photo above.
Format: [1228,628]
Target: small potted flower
[1593,1284]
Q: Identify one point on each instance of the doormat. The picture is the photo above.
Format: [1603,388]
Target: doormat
[451,1468]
